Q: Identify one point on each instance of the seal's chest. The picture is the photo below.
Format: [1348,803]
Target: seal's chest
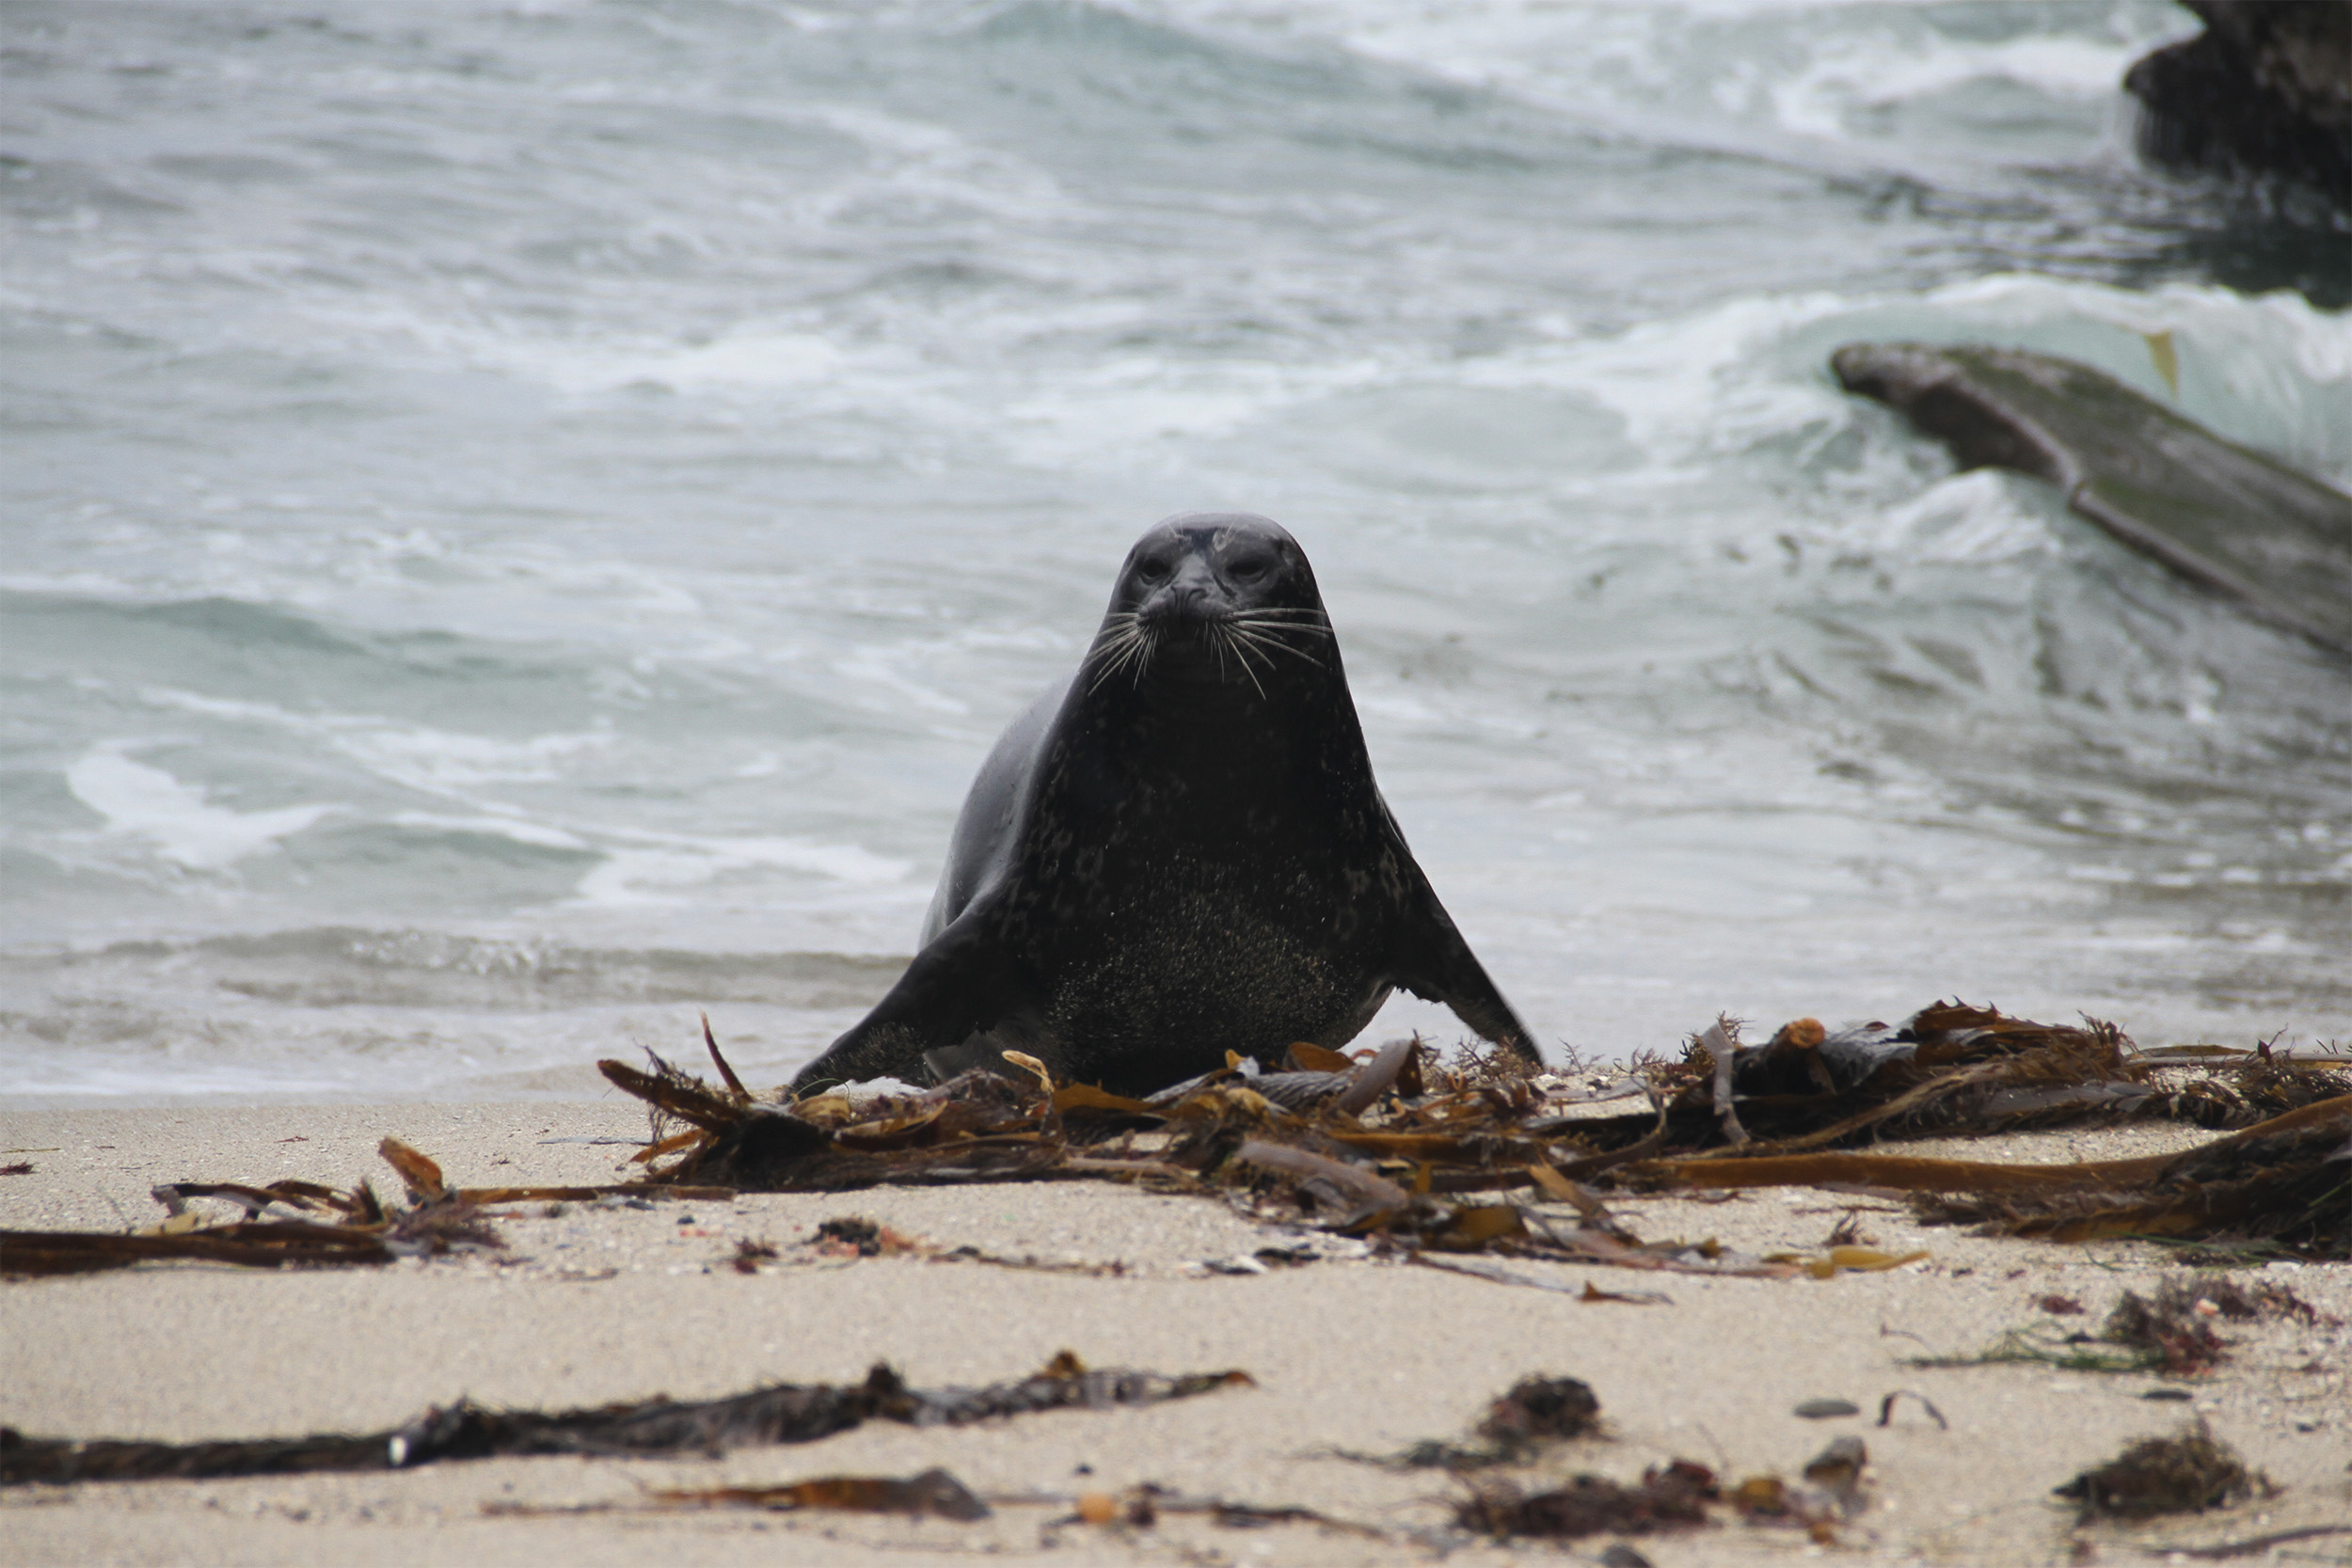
[1202,956]
[1228,895]
[1222,979]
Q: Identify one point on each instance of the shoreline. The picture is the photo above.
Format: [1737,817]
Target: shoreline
[605,1304]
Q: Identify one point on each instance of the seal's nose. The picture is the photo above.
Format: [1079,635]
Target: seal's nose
[1188,595]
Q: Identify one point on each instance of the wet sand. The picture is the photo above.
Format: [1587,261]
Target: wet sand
[1356,1353]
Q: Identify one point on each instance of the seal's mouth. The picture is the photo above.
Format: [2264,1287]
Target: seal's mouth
[1188,618]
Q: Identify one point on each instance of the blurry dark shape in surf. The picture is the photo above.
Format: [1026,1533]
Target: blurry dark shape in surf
[2230,519]
[2262,96]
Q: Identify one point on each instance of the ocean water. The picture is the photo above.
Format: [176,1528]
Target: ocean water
[522,517]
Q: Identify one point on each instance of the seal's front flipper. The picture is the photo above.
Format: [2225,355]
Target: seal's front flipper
[961,986]
[1431,960]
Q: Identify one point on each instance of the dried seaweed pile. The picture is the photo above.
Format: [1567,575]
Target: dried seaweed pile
[1382,1146]
[2287,1181]
[784,1413]
[1393,1146]
[2170,1332]
[2185,1473]
[1540,1416]
[1951,1069]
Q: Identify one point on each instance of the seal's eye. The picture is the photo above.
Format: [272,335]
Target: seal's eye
[1250,568]
[1154,570]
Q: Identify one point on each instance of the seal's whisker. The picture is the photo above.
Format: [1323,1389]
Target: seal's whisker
[1146,643]
[1280,628]
[1278,631]
[1268,642]
[1247,645]
[1136,654]
[1126,643]
[1314,620]
[1230,636]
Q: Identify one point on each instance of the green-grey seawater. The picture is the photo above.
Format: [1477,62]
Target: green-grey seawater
[522,517]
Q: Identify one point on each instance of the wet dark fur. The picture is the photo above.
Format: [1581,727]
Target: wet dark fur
[1179,853]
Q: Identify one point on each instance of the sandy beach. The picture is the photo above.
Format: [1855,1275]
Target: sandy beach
[602,1303]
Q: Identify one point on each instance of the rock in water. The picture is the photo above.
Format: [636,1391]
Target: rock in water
[2265,91]
[2222,514]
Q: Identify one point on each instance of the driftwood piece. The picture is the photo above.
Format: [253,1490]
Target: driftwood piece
[2225,516]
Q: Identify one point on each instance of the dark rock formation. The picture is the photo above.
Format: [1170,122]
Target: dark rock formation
[2263,93]
[2223,515]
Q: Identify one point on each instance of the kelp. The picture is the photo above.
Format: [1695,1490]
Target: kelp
[933,1493]
[848,1237]
[289,1224]
[1390,1145]
[936,1494]
[780,1412]
[282,1224]
[1533,1414]
[1536,1411]
[2286,1182]
[988,1127]
[1831,1493]
[1140,1508]
[2169,1331]
[2186,1473]
[1540,1412]
[1672,1497]
[1951,1069]
[1432,1157]
[2280,1187]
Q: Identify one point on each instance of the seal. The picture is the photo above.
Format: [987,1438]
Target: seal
[1177,852]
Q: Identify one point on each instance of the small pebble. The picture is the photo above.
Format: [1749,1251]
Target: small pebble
[1821,1410]
[1241,1264]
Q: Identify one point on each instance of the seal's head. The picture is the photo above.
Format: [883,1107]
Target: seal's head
[1222,597]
